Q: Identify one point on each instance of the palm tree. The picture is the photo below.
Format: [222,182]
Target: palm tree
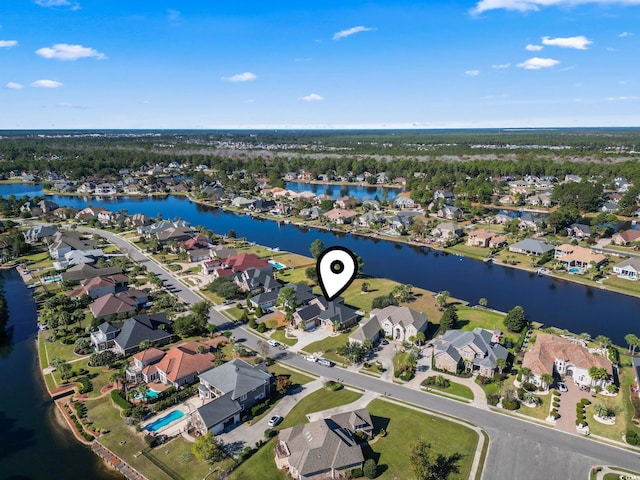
[142,390]
[633,341]
[483,302]
[420,338]
[501,364]
[442,299]
[601,410]
[603,341]
[526,373]
[547,379]
[116,377]
[598,374]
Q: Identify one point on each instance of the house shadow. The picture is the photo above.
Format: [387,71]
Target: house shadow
[462,323]
[379,423]
[233,449]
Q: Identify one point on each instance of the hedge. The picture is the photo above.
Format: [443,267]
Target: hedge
[85,385]
[119,400]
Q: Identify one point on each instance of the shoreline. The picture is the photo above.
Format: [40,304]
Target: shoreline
[379,236]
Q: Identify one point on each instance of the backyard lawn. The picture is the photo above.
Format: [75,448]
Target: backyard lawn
[469,251]
[402,423]
[477,317]
[261,463]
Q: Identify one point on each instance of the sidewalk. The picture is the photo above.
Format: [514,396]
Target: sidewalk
[362,402]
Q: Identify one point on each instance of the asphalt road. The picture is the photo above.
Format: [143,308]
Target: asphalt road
[518,450]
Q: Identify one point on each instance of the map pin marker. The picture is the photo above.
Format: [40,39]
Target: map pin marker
[337,267]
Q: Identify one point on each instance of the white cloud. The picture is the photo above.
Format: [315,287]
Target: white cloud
[579,43]
[536,63]
[241,77]
[533,48]
[501,66]
[46,84]
[535,5]
[622,99]
[312,97]
[64,51]
[625,34]
[8,43]
[351,31]
[58,3]
[472,73]
[14,86]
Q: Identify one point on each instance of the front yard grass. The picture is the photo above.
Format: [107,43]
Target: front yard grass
[327,347]
[322,399]
[279,335]
[454,389]
[401,423]
[540,412]
[295,377]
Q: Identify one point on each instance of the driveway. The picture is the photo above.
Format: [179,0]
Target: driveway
[567,410]
[245,434]
[307,337]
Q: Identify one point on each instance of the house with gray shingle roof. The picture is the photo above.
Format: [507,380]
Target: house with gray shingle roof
[326,448]
[233,387]
[479,349]
[125,337]
[628,269]
[399,323]
[530,246]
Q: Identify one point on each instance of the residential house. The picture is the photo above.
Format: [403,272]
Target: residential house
[233,387]
[541,200]
[241,202]
[507,200]
[113,304]
[139,220]
[400,323]
[83,271]
[340,215]
[177,367]
[311,213]
[255,280]
[629,269]
[261,205]
[153,229]
[333,315]
[572,178]
[325,448]
[480,238]
[446,232]
[531,246]
[99,286]
[347,202]
[125,337]
[104,189]
[221,251]
[609,207]
[268,298]
[450,213]
[39,233]
[579,230]
[555,355]
[65,213]
[478,350]
[579,257]
[239,263]
[89,213]
[65,242]
[448,197]
[403,202]
[370,219]
[531,221]
[174,234]
[626,237]
[86,187]
[369,329]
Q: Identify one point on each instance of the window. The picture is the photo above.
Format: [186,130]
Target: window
[243,397]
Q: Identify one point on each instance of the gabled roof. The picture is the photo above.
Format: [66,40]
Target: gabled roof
[532,245]
[367,330]
[327,443]
[84,271]
[632,262]
[336,312]
[219,410]
[479,340]
[243,261]
[404,316]
[149,354]
[180,362]
[112,304]
[142,327]
[236,377]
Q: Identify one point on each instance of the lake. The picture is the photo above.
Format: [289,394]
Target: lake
[549,301]
[32,443]
[361,192]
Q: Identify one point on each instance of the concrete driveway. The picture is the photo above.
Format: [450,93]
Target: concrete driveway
[567,410]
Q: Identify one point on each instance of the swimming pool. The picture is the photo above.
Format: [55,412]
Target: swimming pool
[150,394]
[55,278]
[574,270]
[164,421]
[277,265]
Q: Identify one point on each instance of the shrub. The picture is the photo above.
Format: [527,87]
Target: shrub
[493,399]
[270,432]
[333,386]
[258,408]
[510,404]
[632,437]
[555,404]
[85,385]
[585,402]
[370,469]
[554,414]
[119,401]
[357,473]
[382,432]
[529,387]
[261,328]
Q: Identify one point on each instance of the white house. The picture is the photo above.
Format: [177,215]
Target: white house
[628,269]
[400,323]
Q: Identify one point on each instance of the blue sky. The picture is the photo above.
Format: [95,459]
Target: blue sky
[319,64]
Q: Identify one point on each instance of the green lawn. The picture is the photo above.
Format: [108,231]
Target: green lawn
[295,377]
[172,456]
[404,426]
[469,251]
[59,350]
[455,389]
[295,275]
[279,336]
[327,347]
[217,299]
[42,349]
[322,399]
[261,463]
[541,411]
[471,318]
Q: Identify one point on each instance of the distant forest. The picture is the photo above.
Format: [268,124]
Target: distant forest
[450,156]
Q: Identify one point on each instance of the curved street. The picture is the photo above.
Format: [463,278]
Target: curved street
[517,449]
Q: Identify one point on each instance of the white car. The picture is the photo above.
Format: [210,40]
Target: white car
[311,358]
[275,420]
[562,387]
[273,343]
[325,362]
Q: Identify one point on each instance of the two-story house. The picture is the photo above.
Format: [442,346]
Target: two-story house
[478,351]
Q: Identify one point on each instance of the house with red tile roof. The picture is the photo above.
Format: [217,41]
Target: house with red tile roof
[555,355]
[626,237]
[239,263]
[118,303]
[99,286]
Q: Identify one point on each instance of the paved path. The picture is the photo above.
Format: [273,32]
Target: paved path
[362,402]
[517,447]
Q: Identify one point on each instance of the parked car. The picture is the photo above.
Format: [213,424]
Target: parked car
[562,387]
[325,362]
[384,341]
[585,388]
[273,343]
[228,302]
[311,358]
[275,420]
